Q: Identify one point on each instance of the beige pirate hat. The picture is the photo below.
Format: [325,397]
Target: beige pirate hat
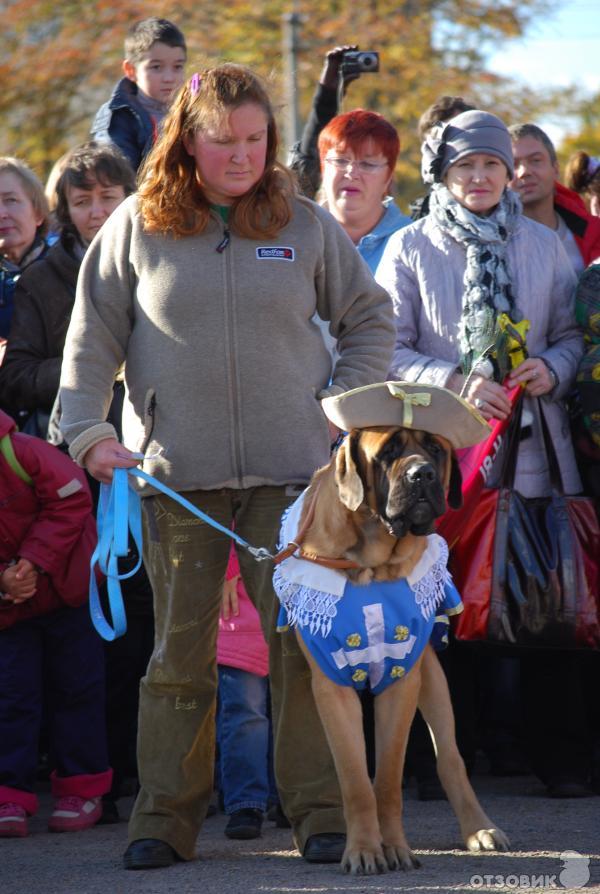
[411,405]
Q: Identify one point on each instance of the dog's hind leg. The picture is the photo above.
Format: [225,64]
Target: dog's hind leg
[341,714]
[477,830]
[394,712]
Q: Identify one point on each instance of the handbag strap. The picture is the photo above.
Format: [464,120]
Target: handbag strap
[556,479]
[513,439]
[509,463]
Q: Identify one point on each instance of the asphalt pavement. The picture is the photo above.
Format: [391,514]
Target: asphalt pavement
[542,833]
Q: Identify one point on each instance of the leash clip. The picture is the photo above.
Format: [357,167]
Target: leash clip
[260,553]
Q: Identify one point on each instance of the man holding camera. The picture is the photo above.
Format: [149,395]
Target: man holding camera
[342,65]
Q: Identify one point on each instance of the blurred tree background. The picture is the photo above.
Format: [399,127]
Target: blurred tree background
[60,61]
[588,136]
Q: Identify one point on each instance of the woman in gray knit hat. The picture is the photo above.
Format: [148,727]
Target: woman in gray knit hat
[474,257]
[450,275]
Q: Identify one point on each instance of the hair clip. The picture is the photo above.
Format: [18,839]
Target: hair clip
[195,84]
[593,166]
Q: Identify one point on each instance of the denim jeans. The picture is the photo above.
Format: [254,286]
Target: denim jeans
[243,734]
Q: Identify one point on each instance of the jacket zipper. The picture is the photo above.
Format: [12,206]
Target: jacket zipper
[224,241]
[231,357]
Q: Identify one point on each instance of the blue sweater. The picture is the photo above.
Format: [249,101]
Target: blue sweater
[372,245]
[126,123]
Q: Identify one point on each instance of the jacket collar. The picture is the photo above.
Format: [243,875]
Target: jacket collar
[571,208]
[392,220]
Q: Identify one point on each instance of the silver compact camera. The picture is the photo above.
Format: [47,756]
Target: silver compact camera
[357,62]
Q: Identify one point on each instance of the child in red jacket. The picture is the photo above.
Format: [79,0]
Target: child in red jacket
[49,650]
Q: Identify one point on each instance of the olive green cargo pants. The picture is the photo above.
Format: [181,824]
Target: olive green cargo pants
[186,561]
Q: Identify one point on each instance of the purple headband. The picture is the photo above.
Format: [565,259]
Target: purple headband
[195,82]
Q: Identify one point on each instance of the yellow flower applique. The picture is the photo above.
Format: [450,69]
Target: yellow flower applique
[359,675]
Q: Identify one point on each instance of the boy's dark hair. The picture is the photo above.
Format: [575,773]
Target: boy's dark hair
[442,109]
[85,166]
[142,35]
[518,131]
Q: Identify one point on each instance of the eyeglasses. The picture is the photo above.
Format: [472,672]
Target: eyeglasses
[365,167]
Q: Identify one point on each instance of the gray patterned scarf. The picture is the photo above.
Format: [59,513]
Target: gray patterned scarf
[487,282]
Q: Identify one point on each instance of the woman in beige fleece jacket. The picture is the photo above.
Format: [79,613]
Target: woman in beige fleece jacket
[205,285]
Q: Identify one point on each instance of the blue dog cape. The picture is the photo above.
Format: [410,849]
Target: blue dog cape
[368,634]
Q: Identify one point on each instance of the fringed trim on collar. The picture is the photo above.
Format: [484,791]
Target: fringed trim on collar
[430,589]
[316,609]
[305,606]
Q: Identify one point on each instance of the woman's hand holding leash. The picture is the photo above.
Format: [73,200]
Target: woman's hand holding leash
[106,455]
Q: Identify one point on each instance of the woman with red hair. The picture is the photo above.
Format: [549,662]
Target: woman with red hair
[358,152]
[205,285]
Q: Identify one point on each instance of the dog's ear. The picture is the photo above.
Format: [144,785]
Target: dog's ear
[455,485]
[349,483]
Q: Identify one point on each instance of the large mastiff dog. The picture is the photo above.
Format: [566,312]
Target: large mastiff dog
[363,587]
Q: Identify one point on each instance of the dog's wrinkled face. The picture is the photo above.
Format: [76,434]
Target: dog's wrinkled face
[401,474]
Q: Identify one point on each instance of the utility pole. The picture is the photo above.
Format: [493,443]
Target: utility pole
[291,46]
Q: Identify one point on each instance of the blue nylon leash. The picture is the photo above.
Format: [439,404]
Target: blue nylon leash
[119,511]
[119,514]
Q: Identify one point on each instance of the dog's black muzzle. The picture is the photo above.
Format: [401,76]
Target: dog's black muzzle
[415,500]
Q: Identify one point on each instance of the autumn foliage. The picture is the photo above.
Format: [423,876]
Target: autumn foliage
[60,60]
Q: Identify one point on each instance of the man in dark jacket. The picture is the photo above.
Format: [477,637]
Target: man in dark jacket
[548,201]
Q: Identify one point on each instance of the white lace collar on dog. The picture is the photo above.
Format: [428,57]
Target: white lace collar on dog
[328,580]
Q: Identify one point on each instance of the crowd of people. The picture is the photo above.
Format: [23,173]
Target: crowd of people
[176,293]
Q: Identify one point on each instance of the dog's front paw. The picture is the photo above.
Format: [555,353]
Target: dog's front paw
[366,860]
[487,840]
[400,857]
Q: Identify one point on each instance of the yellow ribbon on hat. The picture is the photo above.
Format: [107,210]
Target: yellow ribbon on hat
[418,399]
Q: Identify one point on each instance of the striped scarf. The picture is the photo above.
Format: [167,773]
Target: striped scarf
[487,282]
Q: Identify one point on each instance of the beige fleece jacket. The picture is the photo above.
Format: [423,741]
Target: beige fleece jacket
[224,364]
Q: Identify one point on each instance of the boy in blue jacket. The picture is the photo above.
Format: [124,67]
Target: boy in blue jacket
[155,55]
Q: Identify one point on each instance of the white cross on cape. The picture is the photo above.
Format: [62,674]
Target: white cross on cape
[377,650]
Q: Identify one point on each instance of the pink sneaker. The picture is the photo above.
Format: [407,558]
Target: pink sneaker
[73,814]
[13,821]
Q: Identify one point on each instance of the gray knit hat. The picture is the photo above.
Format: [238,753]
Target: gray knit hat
[469,132]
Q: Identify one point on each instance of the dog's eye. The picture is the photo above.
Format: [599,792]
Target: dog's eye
[433,446]
[390,452]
